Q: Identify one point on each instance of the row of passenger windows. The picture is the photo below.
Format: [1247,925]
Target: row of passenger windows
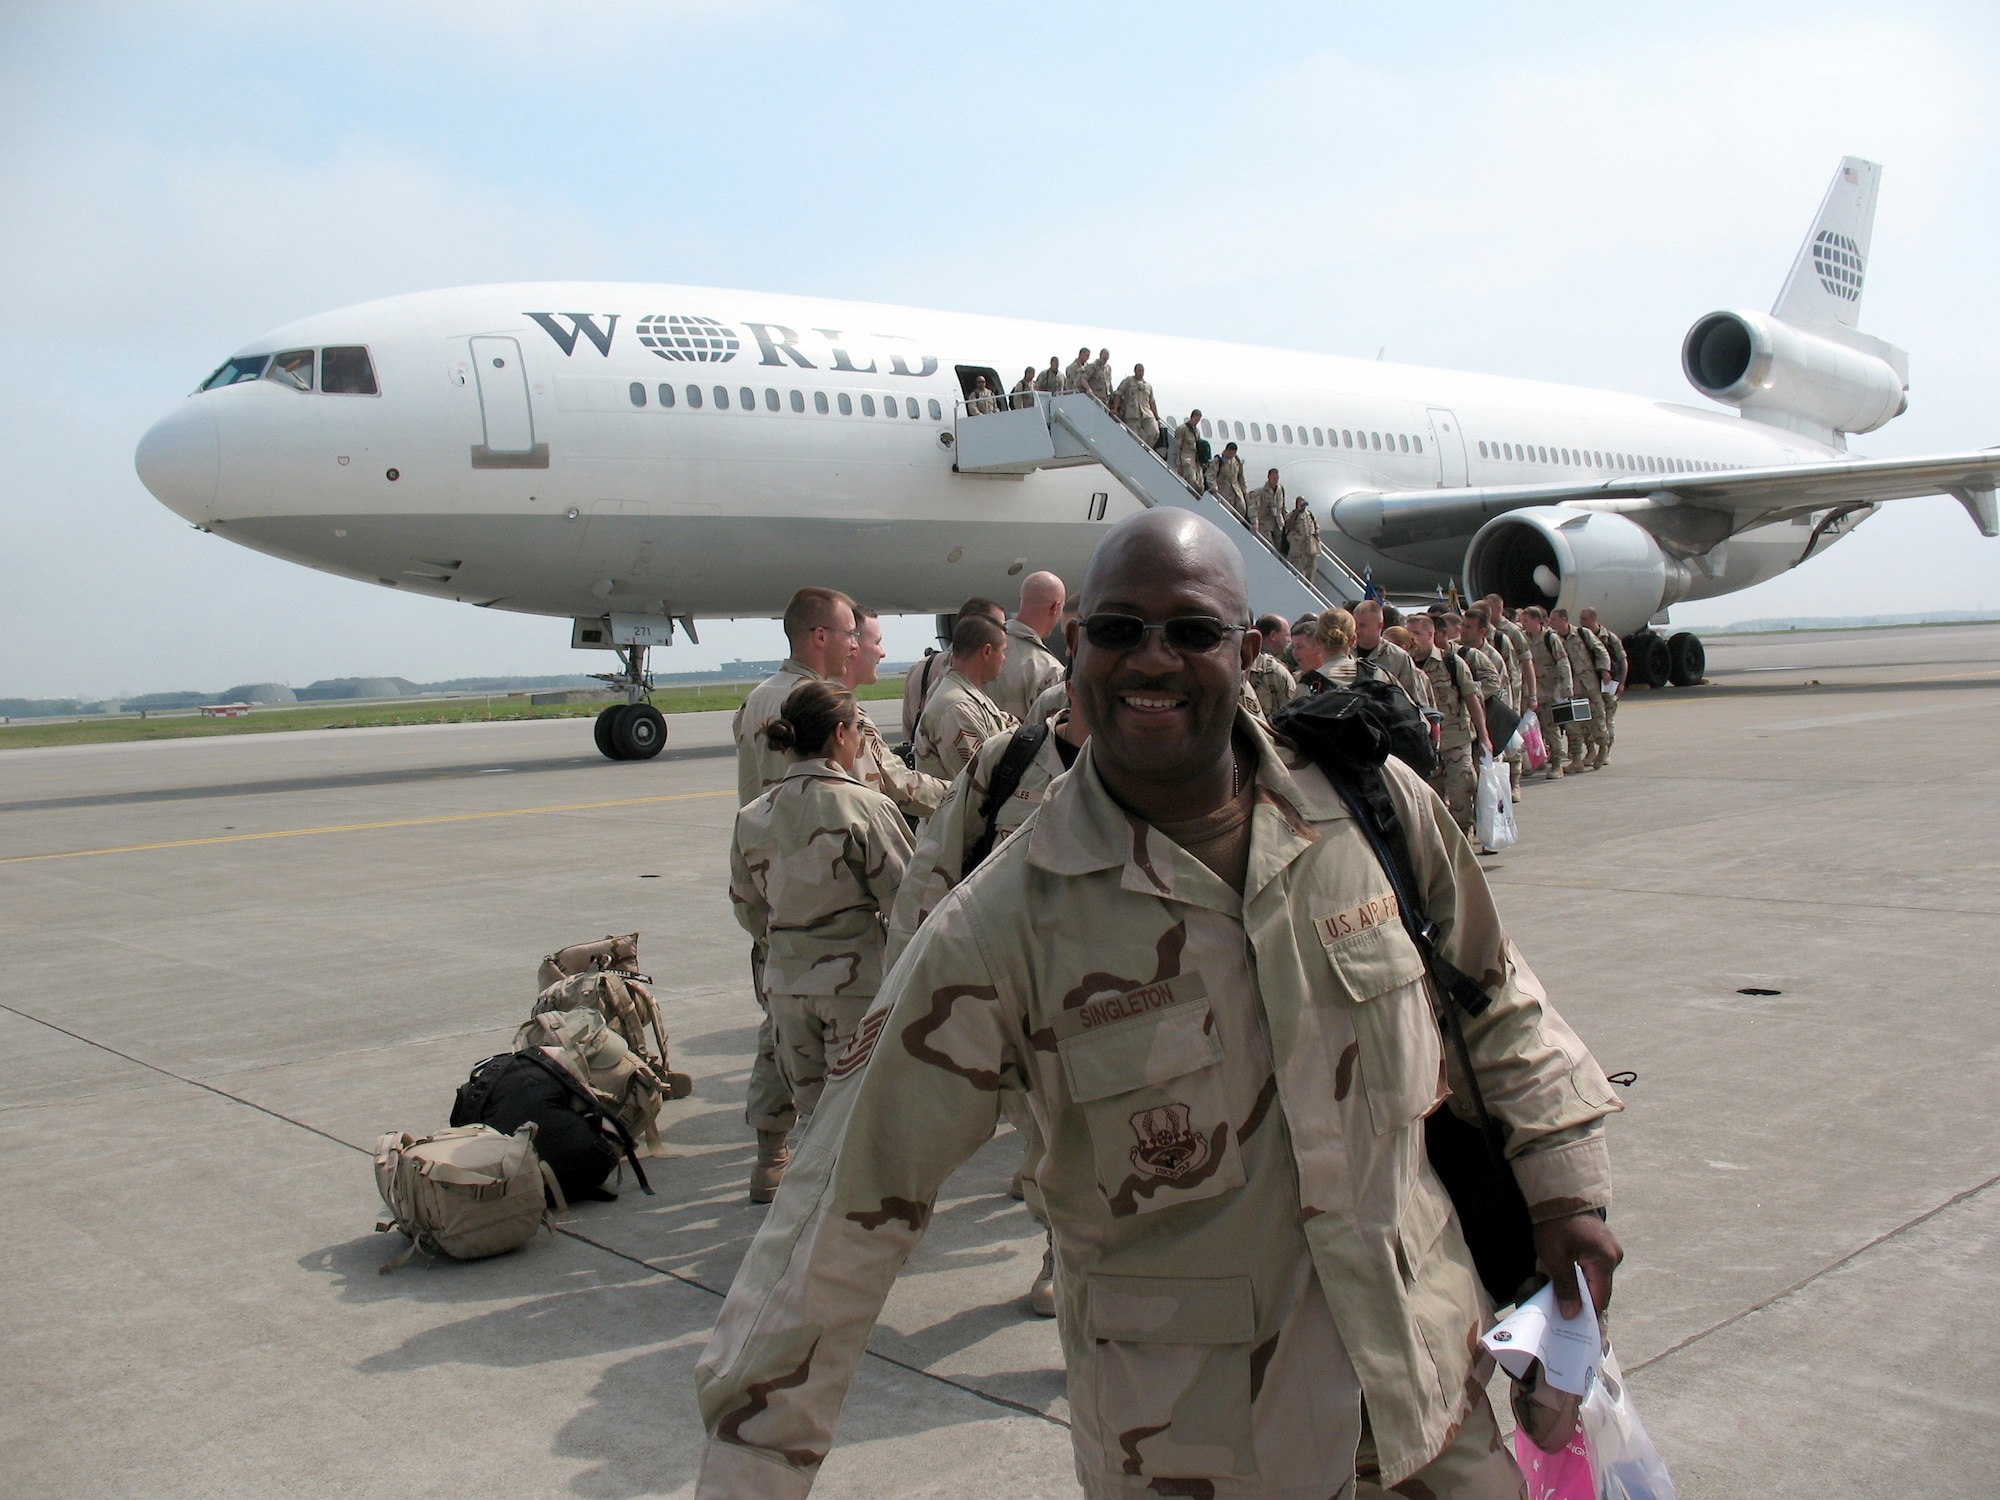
[746,400]
[1591,458]
[1327,437]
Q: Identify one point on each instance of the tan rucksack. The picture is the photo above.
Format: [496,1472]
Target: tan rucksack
[600,1058]
[620,953]
[467,1193]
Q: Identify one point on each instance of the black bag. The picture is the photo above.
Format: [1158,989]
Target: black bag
[1501,722]
[1014,761]
[578,1138]
[1470,1159]
[1362,724]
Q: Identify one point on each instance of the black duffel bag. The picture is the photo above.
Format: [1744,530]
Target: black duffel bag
[1349,740]
[575,1135]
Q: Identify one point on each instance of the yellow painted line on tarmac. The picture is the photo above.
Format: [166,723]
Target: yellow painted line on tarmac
[300,833]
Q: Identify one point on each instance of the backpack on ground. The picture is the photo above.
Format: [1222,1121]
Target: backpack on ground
[1350,742]
[610,952]
[578,1135]
[604,977]
[468,1192]
[613,1070]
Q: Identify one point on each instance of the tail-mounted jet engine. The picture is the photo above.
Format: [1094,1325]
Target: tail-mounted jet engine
[1782,375]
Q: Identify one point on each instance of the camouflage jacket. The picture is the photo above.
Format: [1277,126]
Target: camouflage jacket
[1487,669]
[1587,662]
[813,870]
[1249,1237]
[1395,662]
[1097,375]
[1272,681]
[1076,375]
[1452,683]
[1229,479]
[757,764]
[1614,651]
[1133,400]
[1515,641]
[939,863]
[1026,673]
[1267,507]
[915,794]
[1553,681]
[958,719]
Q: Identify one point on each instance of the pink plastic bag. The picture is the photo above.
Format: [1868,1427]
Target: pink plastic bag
[1536,753]
[1556,1476]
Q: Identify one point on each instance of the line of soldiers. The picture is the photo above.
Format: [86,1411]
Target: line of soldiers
[1453,664]
[1184,979]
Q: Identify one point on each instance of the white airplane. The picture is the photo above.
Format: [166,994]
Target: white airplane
[631,456]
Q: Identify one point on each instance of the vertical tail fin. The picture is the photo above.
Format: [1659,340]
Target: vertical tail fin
[1824,289]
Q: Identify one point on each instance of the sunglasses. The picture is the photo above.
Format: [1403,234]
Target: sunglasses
[1189,635]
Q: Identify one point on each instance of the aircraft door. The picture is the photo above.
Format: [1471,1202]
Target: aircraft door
[503,395]
[1450,446]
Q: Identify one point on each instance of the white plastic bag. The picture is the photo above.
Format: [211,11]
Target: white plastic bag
[1623,1460]
[1493,808]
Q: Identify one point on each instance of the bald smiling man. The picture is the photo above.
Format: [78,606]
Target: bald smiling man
[1261,1285]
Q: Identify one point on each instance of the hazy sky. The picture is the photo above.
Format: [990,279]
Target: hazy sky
[1541,189]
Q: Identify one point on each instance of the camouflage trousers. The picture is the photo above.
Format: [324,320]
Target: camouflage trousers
[1610,724]
[1455,781]
[1585,738]
[769,1106]
[810,1029]
[1555,738]
[1304,560]
[1475,1464]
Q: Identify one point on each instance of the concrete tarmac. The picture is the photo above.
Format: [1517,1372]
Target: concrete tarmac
[233,963]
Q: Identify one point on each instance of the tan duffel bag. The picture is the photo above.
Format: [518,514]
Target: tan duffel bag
[468,1192]
[613,952]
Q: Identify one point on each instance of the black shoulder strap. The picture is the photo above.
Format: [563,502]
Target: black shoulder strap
[1021,750]
[1375,812]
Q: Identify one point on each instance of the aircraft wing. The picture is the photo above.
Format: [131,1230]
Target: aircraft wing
[1698,510]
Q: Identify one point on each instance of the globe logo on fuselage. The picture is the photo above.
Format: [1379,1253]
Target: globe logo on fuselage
[684,336]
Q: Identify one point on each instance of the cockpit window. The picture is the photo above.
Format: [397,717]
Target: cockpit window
[346,371]
[243,367]
[293,368]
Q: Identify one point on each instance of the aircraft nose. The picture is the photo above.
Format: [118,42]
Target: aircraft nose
[179,458]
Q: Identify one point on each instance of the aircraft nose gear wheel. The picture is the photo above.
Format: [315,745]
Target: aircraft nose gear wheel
[1689,661]
[1652,663]
[639,732]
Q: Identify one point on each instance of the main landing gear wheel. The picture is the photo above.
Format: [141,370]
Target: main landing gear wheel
[601,731]
[1689,661]
[639,732]
[1652,663]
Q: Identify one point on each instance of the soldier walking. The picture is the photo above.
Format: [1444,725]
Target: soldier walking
[1455,692]
[1050,381]
[1187,453]
[1588,665]
[1076,374]
[960,717]
[1229,481]
[1388,658]
[813,870]
[1267,511]
[1269,678]
[1098,378]
[916,795]
[1263,1287]
[1513,642]
[1301,536]
[1132,404]
[1615,679]
[1023,394]
[1554,683]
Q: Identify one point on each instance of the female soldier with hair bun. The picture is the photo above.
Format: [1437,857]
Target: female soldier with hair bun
[813,874]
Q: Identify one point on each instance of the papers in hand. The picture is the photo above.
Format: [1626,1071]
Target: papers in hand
[1567,1347]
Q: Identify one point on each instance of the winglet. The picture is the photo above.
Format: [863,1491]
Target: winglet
[1824,288]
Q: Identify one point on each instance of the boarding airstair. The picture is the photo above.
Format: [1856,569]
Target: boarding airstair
[1071,429]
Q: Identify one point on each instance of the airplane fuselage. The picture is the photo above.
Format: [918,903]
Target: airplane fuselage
[574,449]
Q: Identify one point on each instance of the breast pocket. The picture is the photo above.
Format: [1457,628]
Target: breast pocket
[1151,1090]
[1169,1368]
[1379,971]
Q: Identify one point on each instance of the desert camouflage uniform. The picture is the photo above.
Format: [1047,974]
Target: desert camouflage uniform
[1076,374]
[1050,382]
[1187,457]
[1553,683]
[918,684]
[1054,699]
[1250,1240]
[1396,663]
[1273,683]
[1097,376]
[1512,643]
[1267,511]
[1022,396]
[1025,675]
[759,767]
[1587,665]
[1133,405]
[813,870]
[958,719]
[1615,650]
[1301,533]
[1229,483]
[915,794]
[1452,682]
